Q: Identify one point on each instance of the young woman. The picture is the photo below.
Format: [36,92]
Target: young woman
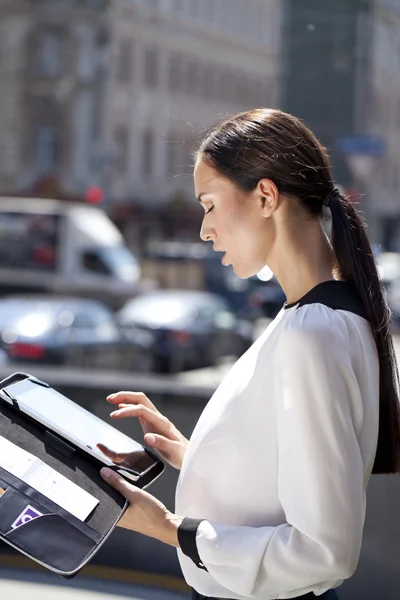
[270,501]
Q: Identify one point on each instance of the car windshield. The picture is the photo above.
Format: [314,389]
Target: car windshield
[162,308]
[28,319]
[167,308]
[121,262]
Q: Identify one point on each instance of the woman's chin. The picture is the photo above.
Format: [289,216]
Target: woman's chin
[242,272]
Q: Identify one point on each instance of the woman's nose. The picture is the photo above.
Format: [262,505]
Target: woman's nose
[205,233]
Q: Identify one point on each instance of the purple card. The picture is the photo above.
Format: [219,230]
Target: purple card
[28,514]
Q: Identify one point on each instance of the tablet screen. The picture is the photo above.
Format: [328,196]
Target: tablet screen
[78,425]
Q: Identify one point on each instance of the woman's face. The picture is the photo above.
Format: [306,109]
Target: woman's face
[234,221]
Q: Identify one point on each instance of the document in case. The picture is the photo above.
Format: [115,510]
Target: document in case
[46,480]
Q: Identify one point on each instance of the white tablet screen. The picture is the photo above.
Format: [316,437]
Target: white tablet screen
[78,425]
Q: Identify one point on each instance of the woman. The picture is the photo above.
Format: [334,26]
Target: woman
[270,501]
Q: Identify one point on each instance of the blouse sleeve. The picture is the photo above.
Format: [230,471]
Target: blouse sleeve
[320,480]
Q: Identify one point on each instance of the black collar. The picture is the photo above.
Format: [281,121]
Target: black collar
[339,295]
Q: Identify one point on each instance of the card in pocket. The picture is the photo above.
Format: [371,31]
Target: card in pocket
[28,514]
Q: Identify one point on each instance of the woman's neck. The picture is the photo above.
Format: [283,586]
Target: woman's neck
[302,260]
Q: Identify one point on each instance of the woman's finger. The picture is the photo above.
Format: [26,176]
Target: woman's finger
[155,419]
[131,398]
[161,443]
[118,483]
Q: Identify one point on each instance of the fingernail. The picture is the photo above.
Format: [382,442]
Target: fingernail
[150,439]
[111,396]
[105,473]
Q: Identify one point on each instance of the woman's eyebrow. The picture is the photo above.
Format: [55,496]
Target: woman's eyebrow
[200,196]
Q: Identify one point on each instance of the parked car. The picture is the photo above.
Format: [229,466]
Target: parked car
[388,264]
[190,328]
[68,331]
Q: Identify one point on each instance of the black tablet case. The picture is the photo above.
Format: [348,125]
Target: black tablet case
[57,540]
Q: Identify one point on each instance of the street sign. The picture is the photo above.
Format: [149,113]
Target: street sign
[366,145]
[362,153]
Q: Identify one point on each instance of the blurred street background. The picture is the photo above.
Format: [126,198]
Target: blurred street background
[104,283]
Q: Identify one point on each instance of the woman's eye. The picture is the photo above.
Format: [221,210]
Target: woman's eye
[209,210]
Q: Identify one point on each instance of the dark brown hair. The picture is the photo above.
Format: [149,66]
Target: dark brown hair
[271,144]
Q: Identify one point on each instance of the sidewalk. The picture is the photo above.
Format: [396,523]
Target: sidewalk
[21,584]
[39,591]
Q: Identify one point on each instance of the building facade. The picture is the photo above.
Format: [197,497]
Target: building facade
[176,67]
[117,93]
[342,75]
[325,72]
[14,24]
[52,88]
[383,119]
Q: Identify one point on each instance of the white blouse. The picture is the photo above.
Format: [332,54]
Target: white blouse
[278,464]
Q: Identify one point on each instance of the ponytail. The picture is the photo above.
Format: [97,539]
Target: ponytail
[356,264]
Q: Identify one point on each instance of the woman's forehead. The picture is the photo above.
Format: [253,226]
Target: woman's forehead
[204,176]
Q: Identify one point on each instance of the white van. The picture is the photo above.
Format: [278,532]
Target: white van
[64,247]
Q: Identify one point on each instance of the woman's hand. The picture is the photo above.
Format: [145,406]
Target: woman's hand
[159,432]
[145,514]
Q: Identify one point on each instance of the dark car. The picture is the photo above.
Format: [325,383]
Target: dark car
[190,328]
[266,298]
[68,331]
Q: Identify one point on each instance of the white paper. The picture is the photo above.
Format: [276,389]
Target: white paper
[46,480]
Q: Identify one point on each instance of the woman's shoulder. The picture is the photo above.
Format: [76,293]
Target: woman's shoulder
[313,323]
[319,324]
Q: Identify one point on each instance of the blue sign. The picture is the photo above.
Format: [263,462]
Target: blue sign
[368,145]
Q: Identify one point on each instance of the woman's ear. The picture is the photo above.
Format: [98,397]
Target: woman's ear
[268,196]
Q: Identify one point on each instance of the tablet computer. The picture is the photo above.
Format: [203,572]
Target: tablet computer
[75,424]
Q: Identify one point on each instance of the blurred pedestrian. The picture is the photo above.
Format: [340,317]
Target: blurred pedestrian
[270,501]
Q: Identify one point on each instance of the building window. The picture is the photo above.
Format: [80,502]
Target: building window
[151,67]
[174,155]
[49,57]
[200,85]
[122,148]
[188,147]
[194,8]
[125,61]
[47,149]
[209,10]
[191,77]
[214,83]
[398,114]
[147,154]
[178,5]
[175,74]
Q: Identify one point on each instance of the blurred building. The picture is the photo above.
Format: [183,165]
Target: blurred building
[325,69]
[113,95]
[383,119]
[341,74]
[176,67]
[52,78]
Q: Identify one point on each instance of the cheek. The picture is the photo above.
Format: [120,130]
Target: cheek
[253,238]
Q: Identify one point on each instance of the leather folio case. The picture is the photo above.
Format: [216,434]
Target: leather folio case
[57,540]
